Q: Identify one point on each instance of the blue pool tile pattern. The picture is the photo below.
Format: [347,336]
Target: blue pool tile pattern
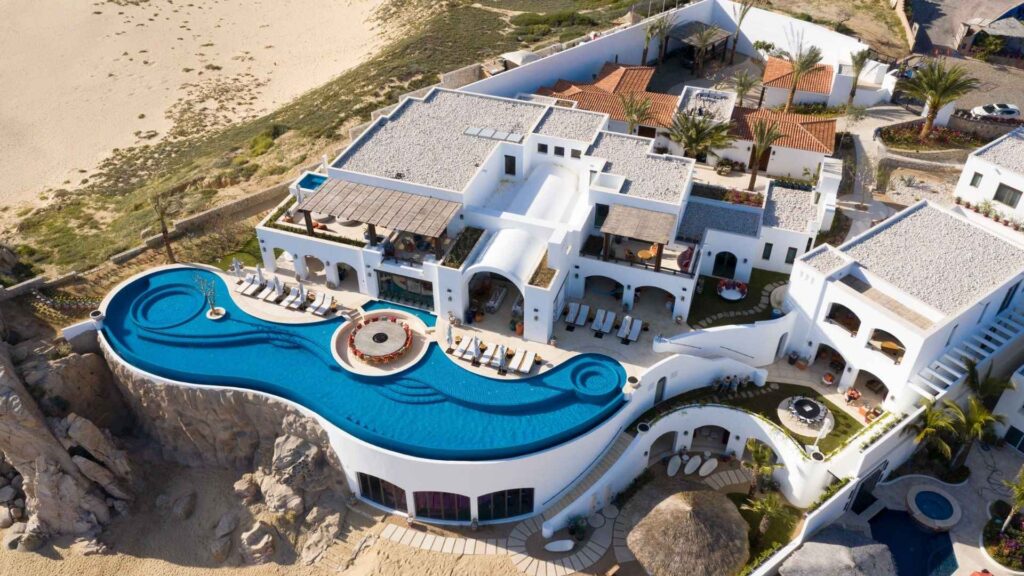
[917,551]
[434,409]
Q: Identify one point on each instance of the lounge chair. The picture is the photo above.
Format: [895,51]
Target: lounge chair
[276,292]
[624,328]
[249,280]
[253,288]
[498,357]
[488,354]
[317,303]
[581,320]
[497,297]
[527,364]
[460,351]
[267,291]
[598,320]
[517,360]
[609,322]
[299,300]
[574,308]
[634,331]
[291,297]
[325,306]
[473,350]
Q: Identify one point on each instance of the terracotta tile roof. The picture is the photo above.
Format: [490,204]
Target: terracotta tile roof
[614,80]
[799,131]
[778,73]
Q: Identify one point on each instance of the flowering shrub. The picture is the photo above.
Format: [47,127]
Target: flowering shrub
[907,136]
[1006,548]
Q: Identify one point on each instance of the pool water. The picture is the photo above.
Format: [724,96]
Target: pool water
[917,551]
[435,409]
[429,319]
[934,505]
[312,181]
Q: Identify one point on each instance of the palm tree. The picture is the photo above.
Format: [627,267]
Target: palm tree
[770,507]
[765,135]
[971,425]
[988,389]
[1016,487]
[860,60]
[743,82]
[702,40]
[659,29]
[699,135]
[802,60]
[931,428]
[761,464]
[635,110]
[938,85]
[740,9]
[164,205]
[648,36]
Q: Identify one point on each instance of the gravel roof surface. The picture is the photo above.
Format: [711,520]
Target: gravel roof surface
[1007,151]
[701,215]
[825,259]
[707,102]
[425,142]
[571,124]
[647,176]
[790,209]
[941,259]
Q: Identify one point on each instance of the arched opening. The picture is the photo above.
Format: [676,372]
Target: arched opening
[603,291]
[495,303]
[316,272]
[442,506]
[867,393]
[404,290]
[830,363]
[663,446]
[886,343]
[725,265]
[710,438]
[652,303]
[285,262]
[843,317]
[348,277]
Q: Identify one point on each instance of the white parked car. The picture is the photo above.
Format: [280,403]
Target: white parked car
[996,111]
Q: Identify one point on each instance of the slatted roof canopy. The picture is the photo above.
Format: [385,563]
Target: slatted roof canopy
[690,33]
[382,207]
[646,225]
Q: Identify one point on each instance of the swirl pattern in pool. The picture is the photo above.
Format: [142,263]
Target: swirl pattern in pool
[435,409]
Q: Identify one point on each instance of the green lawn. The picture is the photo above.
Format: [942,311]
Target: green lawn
[779,532]
[248,254]
[707,303]
[766,404]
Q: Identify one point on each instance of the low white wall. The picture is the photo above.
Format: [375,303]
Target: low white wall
[757,344]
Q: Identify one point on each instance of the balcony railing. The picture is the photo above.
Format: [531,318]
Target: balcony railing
[894,354]
[846,325]
[593,248]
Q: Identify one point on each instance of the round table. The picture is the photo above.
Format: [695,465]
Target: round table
[808,409]
[731,294]
[378,339]
[645,254]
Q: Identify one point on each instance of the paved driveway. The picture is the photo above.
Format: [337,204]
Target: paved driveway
[940,19]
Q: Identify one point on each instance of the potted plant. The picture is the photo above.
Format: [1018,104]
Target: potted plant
[958,200]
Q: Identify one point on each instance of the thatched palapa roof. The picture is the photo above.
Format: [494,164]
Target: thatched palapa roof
[838,552]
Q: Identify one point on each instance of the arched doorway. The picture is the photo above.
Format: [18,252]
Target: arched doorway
[285,262]
[710,438]
[495,303]
[662,446]
[870,390]
[830,363]
[315,270]
[725,265]
[652,302]
[348,278]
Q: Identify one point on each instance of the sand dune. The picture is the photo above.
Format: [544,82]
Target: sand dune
[79,78]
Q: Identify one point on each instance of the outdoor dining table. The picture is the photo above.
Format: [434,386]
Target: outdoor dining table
[645,254]
[808,409]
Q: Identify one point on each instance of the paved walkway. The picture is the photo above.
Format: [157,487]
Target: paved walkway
[758,308]
[988,470]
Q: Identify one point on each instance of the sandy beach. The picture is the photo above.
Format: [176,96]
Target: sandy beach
[79,79]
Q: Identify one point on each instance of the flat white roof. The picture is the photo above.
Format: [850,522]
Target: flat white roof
[942,259]
[648,175]
[790,209]
[571,124]
[1006,152]
[717,104]
[442,140]
[548,193]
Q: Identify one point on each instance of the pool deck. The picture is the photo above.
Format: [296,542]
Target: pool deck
[988,470]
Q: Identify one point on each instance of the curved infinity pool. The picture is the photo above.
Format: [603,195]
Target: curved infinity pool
[435,409]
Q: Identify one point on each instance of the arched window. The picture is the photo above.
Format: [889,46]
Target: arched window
[505,504]
[442,506]
[382,492]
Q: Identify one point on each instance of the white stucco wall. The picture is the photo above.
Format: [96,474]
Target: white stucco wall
[991,177]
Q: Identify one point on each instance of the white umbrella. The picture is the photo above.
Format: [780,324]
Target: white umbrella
[502,350]
[259,274]
[449,339]
[302,292]
[236,267]
[474,348]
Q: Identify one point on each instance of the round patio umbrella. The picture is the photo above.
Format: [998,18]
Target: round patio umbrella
[694,532]
[838,552]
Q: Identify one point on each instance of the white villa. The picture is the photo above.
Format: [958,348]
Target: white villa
[511,217]
[994,173]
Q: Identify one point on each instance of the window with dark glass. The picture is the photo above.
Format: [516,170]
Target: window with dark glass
[766,252]
[382,492]
[576,153]
[542,148]
[442,506]
[1007,195]
[559,151]
[600,214]
[976,180]
[790,255]
[505,504]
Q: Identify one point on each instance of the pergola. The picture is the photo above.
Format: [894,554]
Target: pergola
[645,225]
[702,38]
[391,209]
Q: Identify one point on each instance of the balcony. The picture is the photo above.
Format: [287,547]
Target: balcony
[843,317]
[887,345]
[631,252]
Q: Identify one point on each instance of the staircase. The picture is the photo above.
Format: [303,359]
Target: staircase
[596,471]
[934,379]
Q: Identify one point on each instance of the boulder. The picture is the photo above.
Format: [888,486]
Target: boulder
[296,461]
[7,494]
[81,384]
[86,435]
[226,525]
[325,527]
[89,547]
[257,544]
[280,497]
[33,537]
[247,489]
[12,537]
[220,548]
[184,506]
[6,518]
[17,482]
[100,475]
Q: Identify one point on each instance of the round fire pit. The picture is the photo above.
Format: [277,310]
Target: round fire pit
[807,408]
[380,340]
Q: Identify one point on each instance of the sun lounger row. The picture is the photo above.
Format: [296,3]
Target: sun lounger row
[604,322]
[274,291]
[495,356]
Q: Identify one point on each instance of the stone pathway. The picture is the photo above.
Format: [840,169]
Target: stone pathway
[733,477]
[445,545]
[760,307]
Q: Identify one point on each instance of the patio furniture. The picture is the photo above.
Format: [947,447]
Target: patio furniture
[598,320]
[497,297]
[645,255]
[517,359]
[527,366]
[326,307]
[692,465]
[624,328]
[581,320]
[634,331]
[253,288]
[570,316]
[291,297]
[488,355]
[498,357]
[249,279]
[609,322]
[707,467]
[559,546]
[673,465]
[318,302]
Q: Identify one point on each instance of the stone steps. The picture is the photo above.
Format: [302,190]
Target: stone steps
[596,472]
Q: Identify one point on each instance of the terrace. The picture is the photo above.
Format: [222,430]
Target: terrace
[638,238]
